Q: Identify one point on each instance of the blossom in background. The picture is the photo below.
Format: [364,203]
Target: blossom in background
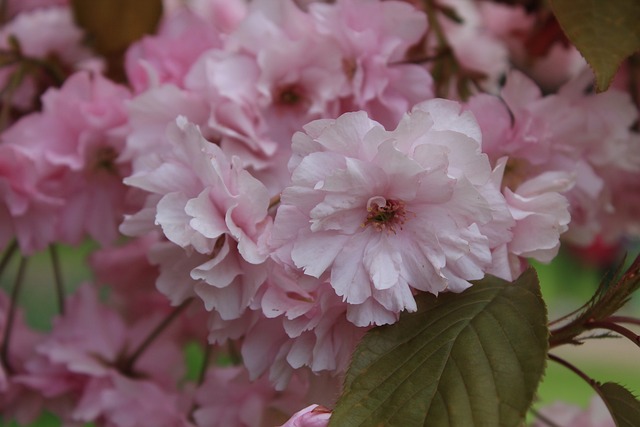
[383,213]
[556,162]
[227,397]
[167,56]
[48,35]
[133,277]
[26,208]
[374,38]
[16,401]
[72,147]
[79,371]
[21,6]
[565,415]
[535,42]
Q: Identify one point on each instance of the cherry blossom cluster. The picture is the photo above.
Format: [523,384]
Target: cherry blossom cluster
[287,176]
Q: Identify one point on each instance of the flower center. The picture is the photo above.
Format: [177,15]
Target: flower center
[104,159]
[289,95]
[385,214]
[515,173]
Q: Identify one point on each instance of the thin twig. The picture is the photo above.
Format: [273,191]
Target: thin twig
[6,257]
[593,383]
[627,333]
[57,275]
[8,328]
[543,418]
[127,366]
[3,11]
[205,363]
[623,319]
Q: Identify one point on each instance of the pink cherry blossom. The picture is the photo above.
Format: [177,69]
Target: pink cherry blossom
[75,143]
[477,50]
[549,137]
[311,416]
[26,208]
[223,14]
[134,280]
[383,213]
[77,369]
[20,6]
[16,401]
[596,415]
[274,74]
[537,47]
[374,38]
[118,401]
[303,323]
[167,56]
[228,398]
[42,34]
[130,277]
[210,206]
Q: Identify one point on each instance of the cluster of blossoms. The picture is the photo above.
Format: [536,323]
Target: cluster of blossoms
[290,175]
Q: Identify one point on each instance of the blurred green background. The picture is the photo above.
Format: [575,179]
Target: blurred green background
[567,283]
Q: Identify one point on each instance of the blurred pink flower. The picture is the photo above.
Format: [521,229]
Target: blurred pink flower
[566,415]
[79,368]
[47,34]
[567,144]
[74,144]
[374,38]
[167,56]
[16,401]
[228,398]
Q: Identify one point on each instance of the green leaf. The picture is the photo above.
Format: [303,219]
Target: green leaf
[623,405]
[473,358]
[604,31]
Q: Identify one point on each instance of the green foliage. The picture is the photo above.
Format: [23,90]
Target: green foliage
[624,407]
[604,31]
[474,358]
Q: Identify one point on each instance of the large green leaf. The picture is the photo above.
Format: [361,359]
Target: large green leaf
[604,31]
[469,359]
[624,407]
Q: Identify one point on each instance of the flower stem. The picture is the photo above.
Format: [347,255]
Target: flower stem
[623,319]
[543,418]
[57,275]
[614,327]
[127,366]
[593,383]
[8,328]
[205,363]
[234,354]
[3,11]
[6,257]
